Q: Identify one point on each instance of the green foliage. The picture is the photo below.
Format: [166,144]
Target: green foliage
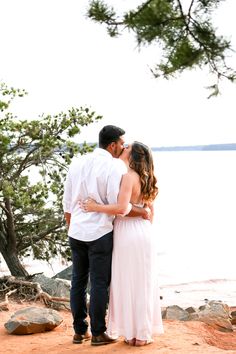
[9,94]
[102,12]
[186,37]
[34,156]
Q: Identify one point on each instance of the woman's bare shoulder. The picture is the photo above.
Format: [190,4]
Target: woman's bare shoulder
[133,175]
[131,178]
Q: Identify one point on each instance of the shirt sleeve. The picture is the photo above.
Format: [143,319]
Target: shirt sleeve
[118,169]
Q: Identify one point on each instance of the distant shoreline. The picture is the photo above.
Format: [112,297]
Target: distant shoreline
[211,147]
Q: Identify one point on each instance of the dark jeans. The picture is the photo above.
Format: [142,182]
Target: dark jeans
[90,259]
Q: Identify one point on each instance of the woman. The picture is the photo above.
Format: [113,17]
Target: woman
[134,306]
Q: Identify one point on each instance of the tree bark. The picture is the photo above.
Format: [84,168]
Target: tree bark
[8,243]
[14,265]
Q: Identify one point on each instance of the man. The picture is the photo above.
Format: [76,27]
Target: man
[96,175]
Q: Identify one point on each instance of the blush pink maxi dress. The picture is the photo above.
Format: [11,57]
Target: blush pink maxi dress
[134,303]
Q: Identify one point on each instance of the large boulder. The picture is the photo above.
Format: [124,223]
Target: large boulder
[175,313]
[64,274]
[67,275]
[217,315]
[33,320]
[54,287]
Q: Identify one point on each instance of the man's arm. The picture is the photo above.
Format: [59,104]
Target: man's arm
[120,208]
[144,212]
[67,217]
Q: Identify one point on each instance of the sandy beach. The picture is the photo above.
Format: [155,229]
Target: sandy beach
[179,337]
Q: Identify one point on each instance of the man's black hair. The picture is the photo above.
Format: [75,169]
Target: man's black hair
[109,134]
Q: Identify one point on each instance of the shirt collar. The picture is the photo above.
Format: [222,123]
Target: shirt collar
[103,152]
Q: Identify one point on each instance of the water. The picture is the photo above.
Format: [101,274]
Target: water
[195,224]
[196,214]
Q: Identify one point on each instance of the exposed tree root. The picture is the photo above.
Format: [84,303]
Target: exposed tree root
[27,290]
[4,306]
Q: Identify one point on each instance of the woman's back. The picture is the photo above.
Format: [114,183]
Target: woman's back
[134,314]
[136,197]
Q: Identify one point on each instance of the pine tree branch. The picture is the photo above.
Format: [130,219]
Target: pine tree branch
[4,208]
[23,165]
[38,237]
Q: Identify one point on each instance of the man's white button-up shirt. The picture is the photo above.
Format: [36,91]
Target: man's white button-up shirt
[96,175]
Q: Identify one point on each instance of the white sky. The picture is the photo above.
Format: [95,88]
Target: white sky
[63,59]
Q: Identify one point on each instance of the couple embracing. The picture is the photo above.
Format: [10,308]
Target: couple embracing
[108,205]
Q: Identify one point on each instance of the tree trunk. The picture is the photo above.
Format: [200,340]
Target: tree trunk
[14,264]
[8,242]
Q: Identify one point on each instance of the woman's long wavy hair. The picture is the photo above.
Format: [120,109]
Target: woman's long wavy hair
[141,161]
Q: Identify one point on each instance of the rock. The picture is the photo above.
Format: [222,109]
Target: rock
[216,314]
[58,288]
[219,323]
[67,274]
[54,287]
[203,307]
[33,320]
[193,313]
[218,307]
[190,310]
[176,313]
[233,317]
[64,274]
[163,312]
[194,316]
